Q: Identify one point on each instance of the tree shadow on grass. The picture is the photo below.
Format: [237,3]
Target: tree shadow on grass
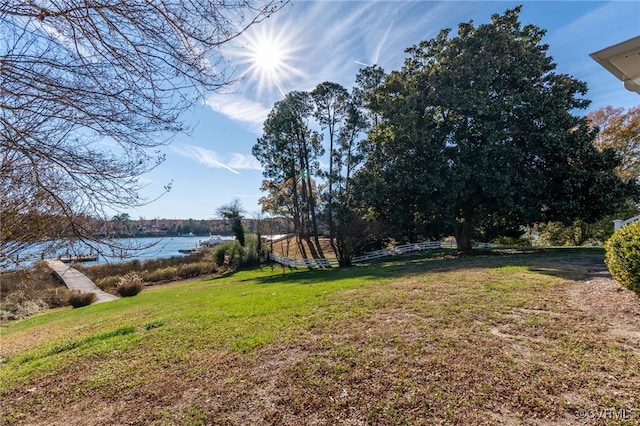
[567,263]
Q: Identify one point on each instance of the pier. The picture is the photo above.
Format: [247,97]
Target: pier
[76,280]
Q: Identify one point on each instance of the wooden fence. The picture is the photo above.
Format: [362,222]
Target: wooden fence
[310,263]
[395,250]
[378,254]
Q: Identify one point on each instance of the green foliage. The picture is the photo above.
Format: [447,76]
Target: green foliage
[78,299]
[233,254]
[580,232]
[250,252]
[289,152]
[129,285]
[523,241]
[233,212]
[623,256]
[228,253]
[558,234]
[238,230]
[220,252]
[468,147]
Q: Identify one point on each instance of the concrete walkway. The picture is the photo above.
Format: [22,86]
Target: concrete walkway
[76,280]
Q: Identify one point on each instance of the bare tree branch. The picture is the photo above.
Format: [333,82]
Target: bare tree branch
[90,92]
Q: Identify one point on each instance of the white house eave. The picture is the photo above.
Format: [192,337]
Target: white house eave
[623,61]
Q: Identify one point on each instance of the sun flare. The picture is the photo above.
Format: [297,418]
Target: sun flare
[270,57]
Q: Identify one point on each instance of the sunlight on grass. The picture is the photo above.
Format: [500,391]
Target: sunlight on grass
[413,335]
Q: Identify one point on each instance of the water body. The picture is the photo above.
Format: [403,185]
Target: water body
[143,249]
[151,248]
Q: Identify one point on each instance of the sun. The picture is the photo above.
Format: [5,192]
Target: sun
[270,57]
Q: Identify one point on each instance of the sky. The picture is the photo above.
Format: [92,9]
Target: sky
[309,42]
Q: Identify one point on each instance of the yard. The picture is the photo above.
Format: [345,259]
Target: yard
[543,338]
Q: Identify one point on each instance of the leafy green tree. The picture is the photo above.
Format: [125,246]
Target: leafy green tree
[233,212]
[122,223]
[331,111]
[479,130]
[368,81]
[341,115]
[289,151]
[404,170]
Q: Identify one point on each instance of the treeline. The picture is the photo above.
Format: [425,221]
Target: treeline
[475,136]
[123,226]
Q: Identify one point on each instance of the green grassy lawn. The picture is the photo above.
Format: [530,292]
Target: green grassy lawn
[416,340]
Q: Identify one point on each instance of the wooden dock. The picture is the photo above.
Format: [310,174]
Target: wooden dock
[79,258]
[76,280]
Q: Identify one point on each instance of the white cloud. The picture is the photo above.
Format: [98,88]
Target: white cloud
[242,161]
[240,109]
[380,45]
[203,156]
[232,162]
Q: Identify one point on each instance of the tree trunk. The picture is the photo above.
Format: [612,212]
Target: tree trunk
[301,248]
[314,222]
[464,228]
[298,218]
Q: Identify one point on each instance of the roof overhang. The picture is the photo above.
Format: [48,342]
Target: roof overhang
[623,61]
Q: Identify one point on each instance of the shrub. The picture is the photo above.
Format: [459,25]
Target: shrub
[512,241]
[97,272]
[219,254]
[251,257]
[623,256]
[232,253]
[165,274]
[196,269]
[19,309]
[55,297]
[129,285]
[226,252]
[78,300]
[108,283]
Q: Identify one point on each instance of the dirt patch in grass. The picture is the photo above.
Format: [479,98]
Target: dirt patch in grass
[538,343]
[615,306]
